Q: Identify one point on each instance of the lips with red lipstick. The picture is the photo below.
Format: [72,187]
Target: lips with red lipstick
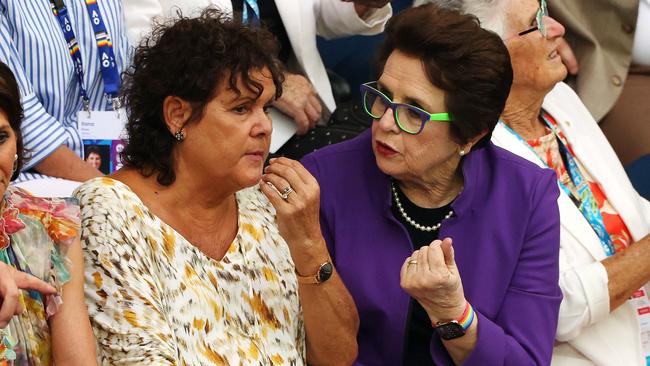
[384,149]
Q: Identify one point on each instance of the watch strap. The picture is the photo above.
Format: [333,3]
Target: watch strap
[464,320]
[467,318]
[323,273]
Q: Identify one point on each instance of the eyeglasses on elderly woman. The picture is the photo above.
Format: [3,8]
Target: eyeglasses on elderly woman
[539,20]
[409,118]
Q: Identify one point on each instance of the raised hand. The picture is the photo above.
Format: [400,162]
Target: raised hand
[431,277]
[11,282]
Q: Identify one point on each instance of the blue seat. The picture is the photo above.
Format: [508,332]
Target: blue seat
[639,173]
[352,57]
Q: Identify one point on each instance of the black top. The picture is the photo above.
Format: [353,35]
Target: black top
[418,327]
[270,18]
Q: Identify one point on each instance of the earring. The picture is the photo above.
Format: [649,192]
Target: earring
[179,135]
[15,162]
[462,153]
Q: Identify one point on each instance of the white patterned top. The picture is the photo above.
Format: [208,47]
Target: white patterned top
[156,299]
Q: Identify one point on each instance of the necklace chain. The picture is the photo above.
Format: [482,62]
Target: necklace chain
[410,220]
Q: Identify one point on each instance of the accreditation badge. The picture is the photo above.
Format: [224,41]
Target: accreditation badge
[640,300]
[103,135]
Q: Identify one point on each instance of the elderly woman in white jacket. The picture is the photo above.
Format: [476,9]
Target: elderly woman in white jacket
[605,246]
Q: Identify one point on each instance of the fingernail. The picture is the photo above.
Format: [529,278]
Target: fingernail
[272,160]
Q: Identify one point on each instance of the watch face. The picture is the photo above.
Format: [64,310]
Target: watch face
[450,330]
[325,272]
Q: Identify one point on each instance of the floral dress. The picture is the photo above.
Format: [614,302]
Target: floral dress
[547,148]
[156,299]
[35,236]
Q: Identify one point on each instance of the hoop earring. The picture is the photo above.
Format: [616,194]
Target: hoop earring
[179,135]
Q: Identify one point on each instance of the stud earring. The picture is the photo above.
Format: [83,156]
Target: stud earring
[462,153]
[179,135]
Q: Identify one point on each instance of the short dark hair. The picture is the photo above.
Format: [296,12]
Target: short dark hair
[470,64]
[10,105]
[188,58]
[91,149]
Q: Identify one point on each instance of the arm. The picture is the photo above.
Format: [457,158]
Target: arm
[72,318]
[524,329]
[331,319]
[11,282]
[365,7]
[64,163]
[522,332]
[430,276]
[593,290]
[627,271]
[335,19]
[43,136]
[121,291]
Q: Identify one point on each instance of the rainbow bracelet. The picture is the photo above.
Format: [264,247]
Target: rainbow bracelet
[468,316]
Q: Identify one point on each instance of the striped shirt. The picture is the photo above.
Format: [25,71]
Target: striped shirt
[33,45]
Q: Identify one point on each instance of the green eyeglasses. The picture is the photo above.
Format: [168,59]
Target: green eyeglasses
[409,119]
[539,19]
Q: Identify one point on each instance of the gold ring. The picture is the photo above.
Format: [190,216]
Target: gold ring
[413,261]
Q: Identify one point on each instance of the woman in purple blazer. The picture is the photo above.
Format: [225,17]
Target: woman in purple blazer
[487,294]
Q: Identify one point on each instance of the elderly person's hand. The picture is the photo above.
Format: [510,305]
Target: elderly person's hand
[431,277]
[362,7]
[369,3]
[568,57]
[11,282]
[299,101]
[295,194]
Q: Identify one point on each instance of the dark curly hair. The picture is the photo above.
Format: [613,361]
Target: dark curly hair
[10,105]
[469,63]
[187,58]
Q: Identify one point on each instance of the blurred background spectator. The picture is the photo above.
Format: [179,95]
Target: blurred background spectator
[353,57]
[59,74]
[307,96]
[611,40]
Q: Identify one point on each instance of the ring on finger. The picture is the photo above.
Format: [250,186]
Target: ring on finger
[412,261]
[285,193]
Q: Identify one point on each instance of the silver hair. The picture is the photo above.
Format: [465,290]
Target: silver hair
[491,13]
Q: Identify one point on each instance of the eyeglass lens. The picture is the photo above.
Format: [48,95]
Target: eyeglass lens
[407,118]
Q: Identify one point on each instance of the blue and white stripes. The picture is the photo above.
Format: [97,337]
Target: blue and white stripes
[32,44]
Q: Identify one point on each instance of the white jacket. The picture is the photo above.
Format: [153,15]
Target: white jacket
[302,19]
[587,332]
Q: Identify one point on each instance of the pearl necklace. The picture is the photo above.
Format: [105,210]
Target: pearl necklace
[410,220]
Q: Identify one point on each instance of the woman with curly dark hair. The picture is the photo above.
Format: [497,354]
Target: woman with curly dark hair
[185,262]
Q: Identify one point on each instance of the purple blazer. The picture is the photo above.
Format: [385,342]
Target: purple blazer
[506,234]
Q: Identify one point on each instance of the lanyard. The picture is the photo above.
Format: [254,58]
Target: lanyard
[251,5]
[586,201]
[108,66]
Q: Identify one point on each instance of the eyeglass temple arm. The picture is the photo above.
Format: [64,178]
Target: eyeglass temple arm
[441,117]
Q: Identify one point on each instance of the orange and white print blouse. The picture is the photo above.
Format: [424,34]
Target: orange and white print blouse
[548,150]
[155,299]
